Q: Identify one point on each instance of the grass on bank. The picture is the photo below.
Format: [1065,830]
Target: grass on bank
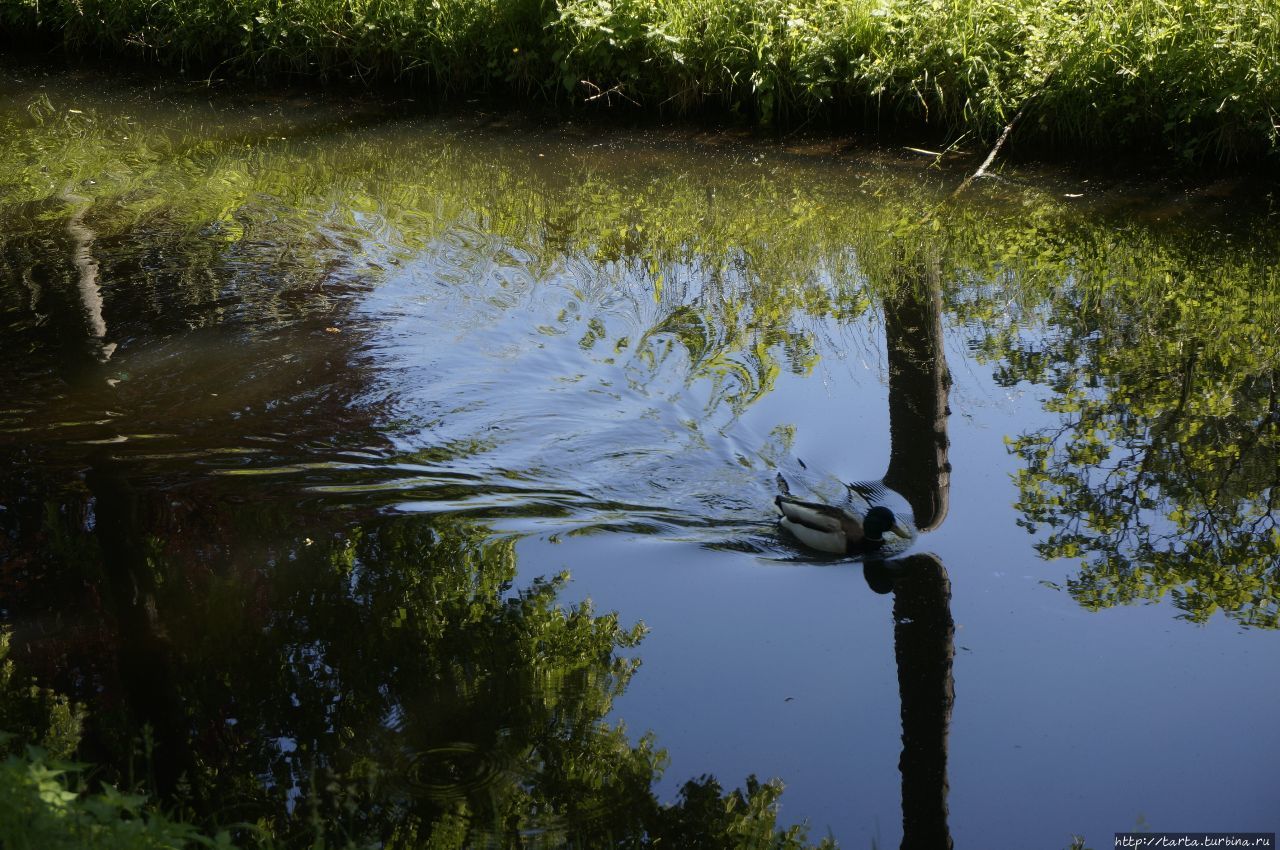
[1196,78]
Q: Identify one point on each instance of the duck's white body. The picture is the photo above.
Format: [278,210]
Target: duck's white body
[821,527]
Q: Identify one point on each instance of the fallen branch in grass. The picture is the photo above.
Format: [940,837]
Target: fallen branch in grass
[607,94]
[995,150]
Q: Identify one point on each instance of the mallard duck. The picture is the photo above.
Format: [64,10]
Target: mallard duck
[839,530]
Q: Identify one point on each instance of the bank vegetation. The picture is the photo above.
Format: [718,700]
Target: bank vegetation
[1195,79]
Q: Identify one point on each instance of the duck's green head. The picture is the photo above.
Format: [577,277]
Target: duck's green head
[879,520]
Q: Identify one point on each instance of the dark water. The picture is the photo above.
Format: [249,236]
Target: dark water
[307,404]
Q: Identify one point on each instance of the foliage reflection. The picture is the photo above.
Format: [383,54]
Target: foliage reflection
[1161,475]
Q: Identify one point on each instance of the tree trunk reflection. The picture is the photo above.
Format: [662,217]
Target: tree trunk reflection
[924,632]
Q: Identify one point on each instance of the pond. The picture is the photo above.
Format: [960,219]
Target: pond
[387,477]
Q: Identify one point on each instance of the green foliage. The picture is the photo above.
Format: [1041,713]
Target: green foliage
[31,715]
[1196,78]
[42,807]
[44,800]
[446,44]
[706,818]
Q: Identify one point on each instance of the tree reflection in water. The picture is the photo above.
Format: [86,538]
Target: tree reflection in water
[919,469]
[258,655]
[1158,475]
[385,684]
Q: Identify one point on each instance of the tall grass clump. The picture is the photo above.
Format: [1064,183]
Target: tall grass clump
[447,45]
[1198,78]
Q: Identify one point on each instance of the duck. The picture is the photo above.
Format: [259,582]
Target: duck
[839,530]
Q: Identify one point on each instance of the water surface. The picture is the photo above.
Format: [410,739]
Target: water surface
[309,404]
